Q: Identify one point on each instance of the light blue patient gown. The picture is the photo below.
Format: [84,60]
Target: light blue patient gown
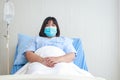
[66,44]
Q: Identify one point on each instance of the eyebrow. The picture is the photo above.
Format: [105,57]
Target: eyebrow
[52,24]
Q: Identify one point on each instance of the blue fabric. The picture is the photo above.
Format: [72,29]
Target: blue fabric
[63,43]
[23,43]
[79,60]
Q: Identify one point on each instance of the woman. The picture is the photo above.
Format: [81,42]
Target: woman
[49,35]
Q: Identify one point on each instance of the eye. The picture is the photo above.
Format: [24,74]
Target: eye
[47,25]
[53,25]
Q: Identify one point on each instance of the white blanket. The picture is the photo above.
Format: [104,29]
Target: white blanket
[59,68]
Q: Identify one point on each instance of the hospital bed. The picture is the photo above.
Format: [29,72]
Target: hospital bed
[19,61]
[46,77]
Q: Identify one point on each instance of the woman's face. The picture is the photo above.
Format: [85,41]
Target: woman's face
[50,29]
[50,24]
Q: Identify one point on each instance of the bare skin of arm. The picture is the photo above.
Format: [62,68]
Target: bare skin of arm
[65,58]
[49,61]
[32,57]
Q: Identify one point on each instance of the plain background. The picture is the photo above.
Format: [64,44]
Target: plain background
[95,22]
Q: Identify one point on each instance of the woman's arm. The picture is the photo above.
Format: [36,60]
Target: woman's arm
[65,58]
[49,61]
[32,57]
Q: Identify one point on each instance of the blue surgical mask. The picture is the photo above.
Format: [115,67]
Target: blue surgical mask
[50,31]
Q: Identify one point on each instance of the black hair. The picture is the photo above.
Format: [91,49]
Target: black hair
[41,33]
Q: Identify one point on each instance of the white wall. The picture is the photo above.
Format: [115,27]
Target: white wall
[94,21]
[0,28]
[119,35]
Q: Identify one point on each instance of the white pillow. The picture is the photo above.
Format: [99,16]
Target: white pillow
[49,51]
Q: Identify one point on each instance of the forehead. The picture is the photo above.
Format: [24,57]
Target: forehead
[50,22]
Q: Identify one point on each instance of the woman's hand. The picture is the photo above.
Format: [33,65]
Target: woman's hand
[51,61]
[46,63]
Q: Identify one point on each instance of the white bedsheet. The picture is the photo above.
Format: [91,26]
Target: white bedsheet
[65,70]
[46,77]
[60,69]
